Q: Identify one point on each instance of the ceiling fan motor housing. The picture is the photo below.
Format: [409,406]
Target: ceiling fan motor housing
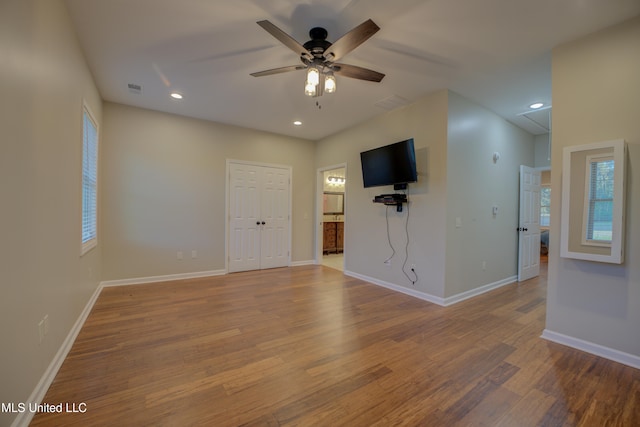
[318,43]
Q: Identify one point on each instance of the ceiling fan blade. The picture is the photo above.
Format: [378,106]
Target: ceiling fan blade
[351,40]
[357,72]
[278,70]
[285,39]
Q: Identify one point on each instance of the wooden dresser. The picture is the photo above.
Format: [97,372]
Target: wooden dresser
[333,237]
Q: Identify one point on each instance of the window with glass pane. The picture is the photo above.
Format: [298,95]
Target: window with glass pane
[89,182]
[600,206]
[545,206]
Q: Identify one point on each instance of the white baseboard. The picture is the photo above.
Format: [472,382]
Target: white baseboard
[432,298]
[301,263]
[407,291]
[478,291]
[24,418]
[165,278]
[596,349]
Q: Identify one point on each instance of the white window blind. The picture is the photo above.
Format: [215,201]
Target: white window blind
[89,182]
[600,204]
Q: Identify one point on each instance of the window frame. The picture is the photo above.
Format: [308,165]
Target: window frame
[573,200]
[92,241]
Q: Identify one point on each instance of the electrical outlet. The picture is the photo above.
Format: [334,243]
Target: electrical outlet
[179,255]
[194,254]
[484,265]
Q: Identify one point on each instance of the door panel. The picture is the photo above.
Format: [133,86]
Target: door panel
[244,236]
[275,205]
[529,224]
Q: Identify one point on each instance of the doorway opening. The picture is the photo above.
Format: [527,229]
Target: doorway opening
[534,221]
[331,214]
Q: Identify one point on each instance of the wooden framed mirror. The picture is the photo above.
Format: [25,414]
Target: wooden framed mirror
[333,203]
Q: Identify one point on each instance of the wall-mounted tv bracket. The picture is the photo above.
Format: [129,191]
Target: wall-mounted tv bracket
[391,200]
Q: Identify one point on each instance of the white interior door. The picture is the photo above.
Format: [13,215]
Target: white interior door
[258,217]
[529,224]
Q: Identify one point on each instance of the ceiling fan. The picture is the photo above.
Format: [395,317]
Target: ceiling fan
[318,56]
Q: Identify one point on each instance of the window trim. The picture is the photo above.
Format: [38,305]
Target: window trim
[92,242]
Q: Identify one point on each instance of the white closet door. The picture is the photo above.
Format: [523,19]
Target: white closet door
[244,220]
[258,217]
[274,213]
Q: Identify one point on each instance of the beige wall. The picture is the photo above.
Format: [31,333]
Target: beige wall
[164,189]
[595,98]
[484,249]
[542,154]
[43,81]
[365,227]
[452,136]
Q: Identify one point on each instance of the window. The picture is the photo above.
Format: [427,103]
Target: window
[89,181]
[545,206]
[599,200]
[593,192]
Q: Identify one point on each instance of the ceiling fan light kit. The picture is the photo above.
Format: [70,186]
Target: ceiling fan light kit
[330,84]
[309,89]
[318,56]
[313,76]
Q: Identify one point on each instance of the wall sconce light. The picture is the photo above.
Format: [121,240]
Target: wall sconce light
[336,180]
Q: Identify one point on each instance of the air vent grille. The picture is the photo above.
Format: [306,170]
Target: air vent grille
[134,88]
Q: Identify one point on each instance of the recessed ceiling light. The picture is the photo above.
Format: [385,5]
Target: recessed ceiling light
[176,95]
[297,123]
[536,105]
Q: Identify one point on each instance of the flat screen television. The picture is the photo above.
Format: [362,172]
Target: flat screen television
[389,165]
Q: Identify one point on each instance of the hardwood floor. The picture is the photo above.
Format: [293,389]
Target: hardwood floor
[310,346]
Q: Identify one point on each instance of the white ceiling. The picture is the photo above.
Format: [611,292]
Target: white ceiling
[494,52]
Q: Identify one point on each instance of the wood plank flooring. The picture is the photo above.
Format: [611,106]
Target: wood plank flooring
[309,346]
